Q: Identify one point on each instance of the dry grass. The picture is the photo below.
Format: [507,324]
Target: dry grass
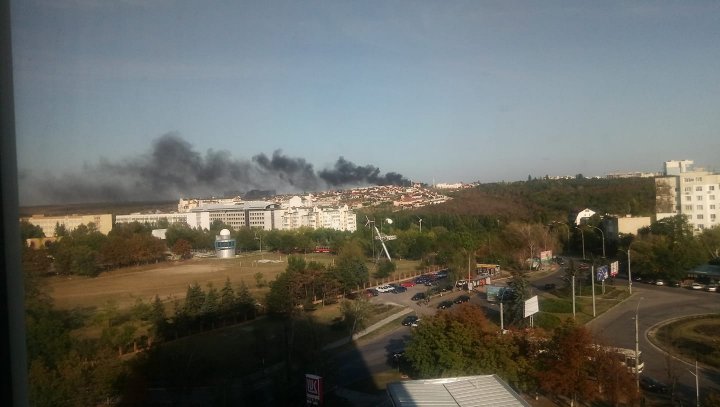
[170,280]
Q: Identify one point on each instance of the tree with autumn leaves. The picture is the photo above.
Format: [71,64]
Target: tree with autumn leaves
[568,364]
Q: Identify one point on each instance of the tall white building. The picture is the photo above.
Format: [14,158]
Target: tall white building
[686,191]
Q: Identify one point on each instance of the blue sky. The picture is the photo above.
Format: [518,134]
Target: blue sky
[434,90]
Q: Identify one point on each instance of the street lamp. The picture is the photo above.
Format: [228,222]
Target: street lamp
[582,235]
[603,237]
[629,271]
[637,347]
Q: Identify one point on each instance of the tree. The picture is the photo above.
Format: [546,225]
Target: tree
[30,231]
[566,368]
[384,268]
[461,342]
[182,248]
[355,312]
[194,299]
[350,268]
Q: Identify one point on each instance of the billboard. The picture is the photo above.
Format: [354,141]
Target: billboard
[313,390]
[546,256]
[532,306]
[614,268]
[601,273]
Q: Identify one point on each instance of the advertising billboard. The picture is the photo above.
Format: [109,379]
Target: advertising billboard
[614,268]
[602,273]
[532,306]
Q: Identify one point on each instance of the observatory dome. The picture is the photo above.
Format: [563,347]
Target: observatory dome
[224,232]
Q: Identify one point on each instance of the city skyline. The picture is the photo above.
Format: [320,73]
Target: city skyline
[423,91]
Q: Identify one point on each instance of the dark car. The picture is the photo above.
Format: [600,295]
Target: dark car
[411,320]
[399,289]
[371,292]
[550,286]
[445,305]
[418,297]
[461,299]
[652,385]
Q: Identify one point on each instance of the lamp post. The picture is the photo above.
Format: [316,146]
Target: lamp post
[637,346]
[697,384]
[582,235]
[629,271]
[603,238]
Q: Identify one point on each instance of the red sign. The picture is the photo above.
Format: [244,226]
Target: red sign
[313,390]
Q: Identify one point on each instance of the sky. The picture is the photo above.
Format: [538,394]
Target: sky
[271,94]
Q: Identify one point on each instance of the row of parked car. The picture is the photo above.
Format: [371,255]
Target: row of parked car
[712,287]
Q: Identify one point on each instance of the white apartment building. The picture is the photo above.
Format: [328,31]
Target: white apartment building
[695,194]
[291,214]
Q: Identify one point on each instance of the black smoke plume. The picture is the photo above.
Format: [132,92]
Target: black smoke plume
[173,169]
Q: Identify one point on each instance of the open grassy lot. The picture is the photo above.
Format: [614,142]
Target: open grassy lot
[693,338]
[170,280]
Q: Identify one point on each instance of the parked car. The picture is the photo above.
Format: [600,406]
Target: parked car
[385,288]
[445,305]
[659,282]
[550,286]
[399,289]
[461,299]
[711,287]
[411,320]
[407,284]
[371,292]
[418,296]
[696,286]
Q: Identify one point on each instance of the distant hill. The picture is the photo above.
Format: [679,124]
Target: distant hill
[543,200]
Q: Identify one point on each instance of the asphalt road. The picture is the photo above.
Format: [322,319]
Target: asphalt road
[615,327]
[656,305]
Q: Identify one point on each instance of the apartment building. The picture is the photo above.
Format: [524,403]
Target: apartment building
[291,214]
[103,222]
[692,192]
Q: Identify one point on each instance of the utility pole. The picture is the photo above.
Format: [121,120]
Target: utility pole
[637,346]
[592,285]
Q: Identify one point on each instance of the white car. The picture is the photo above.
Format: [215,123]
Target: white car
[712,287]
[659,282]
[696,286]
[385,288]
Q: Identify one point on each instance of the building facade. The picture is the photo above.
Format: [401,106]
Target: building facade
[686,191]
[103,222]
[289,215]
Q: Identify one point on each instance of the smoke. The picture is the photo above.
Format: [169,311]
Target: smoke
[173,169]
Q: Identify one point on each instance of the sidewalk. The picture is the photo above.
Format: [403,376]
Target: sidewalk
[367,330]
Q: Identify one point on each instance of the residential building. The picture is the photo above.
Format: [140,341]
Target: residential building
[628,225]
[694,193]
[103,222]
[292,213]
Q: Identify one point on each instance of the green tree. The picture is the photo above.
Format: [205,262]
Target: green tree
[194,299]
[350,268]
[30,231]
[355,312]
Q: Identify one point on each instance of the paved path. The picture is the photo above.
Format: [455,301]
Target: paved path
[367,330]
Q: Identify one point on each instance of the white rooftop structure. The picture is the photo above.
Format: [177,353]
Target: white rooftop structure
[476,391]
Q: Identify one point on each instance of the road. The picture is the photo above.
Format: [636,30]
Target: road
[615,327]
[656,305]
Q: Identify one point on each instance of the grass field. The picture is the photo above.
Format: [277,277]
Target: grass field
[170,280]
[693,338]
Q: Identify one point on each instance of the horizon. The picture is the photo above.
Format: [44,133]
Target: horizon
[295,96]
